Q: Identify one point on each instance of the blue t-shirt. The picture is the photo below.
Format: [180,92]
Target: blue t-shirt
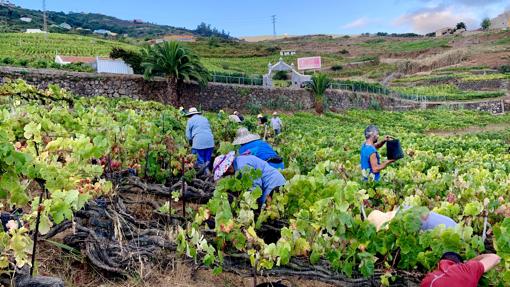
[366,152]
[258,148]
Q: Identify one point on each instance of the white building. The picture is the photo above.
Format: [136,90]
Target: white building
[104,32]
[101,65]
[32,31]
[25,19]
[287,52]
[65,26]
[501,22]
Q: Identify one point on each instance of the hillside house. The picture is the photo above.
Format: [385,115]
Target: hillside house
[138,21]
[100,64]
[287,52]
[25,19]
[65,26]
[501,22]
[104,32]
[34,31]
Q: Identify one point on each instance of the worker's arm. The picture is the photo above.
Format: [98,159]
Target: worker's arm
[488,261]
[378,167]
[378,145]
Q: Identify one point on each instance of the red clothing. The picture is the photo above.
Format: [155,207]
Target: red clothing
[451,274]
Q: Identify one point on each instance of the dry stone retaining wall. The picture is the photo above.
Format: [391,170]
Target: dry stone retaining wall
[216,96]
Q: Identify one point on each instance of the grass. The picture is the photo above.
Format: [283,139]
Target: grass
[463,76]
[447,92]
[398,46]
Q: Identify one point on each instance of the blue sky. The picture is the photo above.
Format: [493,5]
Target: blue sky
[294,17]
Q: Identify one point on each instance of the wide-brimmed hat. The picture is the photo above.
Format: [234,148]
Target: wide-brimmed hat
[192,111]
[244,136]
[222,163]
[275,113]
[379,218]
[236,113]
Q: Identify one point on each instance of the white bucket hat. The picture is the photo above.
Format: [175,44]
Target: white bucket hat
[192,111]
[222,163]
[244,136]
[379,218]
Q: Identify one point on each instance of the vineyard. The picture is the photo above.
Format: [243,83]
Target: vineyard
[114,177]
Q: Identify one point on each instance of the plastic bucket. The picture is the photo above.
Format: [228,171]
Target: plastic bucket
[394,150]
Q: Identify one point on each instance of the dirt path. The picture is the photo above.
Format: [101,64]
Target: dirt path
[471,130]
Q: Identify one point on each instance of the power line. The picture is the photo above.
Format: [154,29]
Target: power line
[274,25]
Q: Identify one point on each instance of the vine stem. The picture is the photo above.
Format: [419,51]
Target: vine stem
[37,221]
[484,235]
[183,189]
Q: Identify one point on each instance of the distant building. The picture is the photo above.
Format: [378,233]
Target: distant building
[287,52]
[25,19]
[112,66]
[100,64]
[32,31]
[65,26]
[104,32]
[138,21]
[179,38]
[501,22]
[156,41]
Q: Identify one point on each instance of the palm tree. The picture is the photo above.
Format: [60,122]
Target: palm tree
[318,86]
[175,62]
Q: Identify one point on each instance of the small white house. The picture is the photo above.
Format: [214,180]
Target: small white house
[104,32]
[112,66]
[33,31]
[65,26]
[287,52]
[26,19]
[101,65]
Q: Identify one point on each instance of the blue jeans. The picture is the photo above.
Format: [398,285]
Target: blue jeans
[203,155]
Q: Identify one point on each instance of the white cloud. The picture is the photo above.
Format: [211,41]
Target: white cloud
[466,2]
[358,23]
[428,20]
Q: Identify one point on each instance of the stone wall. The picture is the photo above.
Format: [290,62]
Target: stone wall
[220,96]
[92,84]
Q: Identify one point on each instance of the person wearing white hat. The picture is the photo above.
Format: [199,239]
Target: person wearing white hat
[270,181]
[429,219]
[262,119]
[200,136]
[182,111]
[252,144]
[276,124]
[239,115]
[235,119]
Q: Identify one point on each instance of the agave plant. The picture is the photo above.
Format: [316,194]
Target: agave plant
[318,86]
[175,62]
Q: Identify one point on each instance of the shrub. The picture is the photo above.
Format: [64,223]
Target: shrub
[281,75]
[41,64]
[8,60]
[336,67]
[486,23]
[505,69]
[343,52]
[23,62]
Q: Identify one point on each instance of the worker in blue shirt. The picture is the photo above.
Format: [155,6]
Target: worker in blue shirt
[276,124]
[251,144]
[200,136]
[370,159]
[270,181]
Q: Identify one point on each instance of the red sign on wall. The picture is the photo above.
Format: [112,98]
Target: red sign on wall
[309,63]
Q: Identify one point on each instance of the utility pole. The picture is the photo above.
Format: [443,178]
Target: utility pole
[45,20]
[274,25]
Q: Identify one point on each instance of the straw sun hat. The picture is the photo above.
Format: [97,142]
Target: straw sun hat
[193,111]
[244,136]
[379,218]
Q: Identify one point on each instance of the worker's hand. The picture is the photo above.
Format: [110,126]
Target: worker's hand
[391,161]
[388,138]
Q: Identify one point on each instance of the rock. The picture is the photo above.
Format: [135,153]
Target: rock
[39,281]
